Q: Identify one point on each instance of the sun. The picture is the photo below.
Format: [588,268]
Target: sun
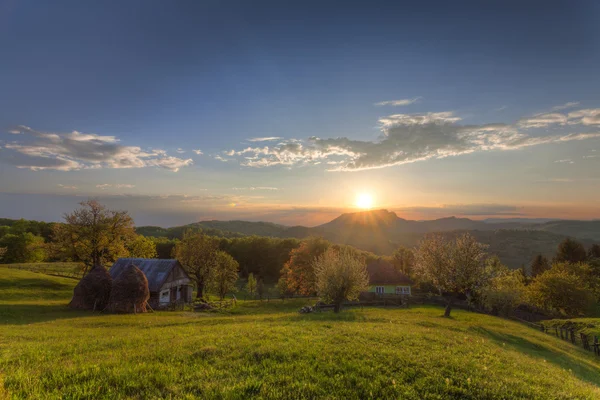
[364,201]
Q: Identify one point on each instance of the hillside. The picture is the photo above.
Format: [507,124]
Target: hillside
[267,350]
[382,231]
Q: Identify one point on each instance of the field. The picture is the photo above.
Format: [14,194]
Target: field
[65,269]
[268,350]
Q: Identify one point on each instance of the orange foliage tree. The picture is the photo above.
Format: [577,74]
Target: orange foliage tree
[298,274]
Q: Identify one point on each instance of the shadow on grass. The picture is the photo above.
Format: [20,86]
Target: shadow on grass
[573,360]
[22,314]
[34,283]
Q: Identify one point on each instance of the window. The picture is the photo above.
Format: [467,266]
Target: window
[379,289]
[164,296]
[402,289]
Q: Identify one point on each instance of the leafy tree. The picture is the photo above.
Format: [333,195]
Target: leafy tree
[340,275]
[452,266]
[403,260]
[299,272]
[224,275]
[142,247]
[561,291]
[539,265]
[94,235]
[594,252]
[504,292]
[23,248]
[164,247]
[197,254]
[2,252]
[251,285]
[570,251]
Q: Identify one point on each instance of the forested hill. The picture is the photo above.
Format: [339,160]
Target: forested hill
[382,231]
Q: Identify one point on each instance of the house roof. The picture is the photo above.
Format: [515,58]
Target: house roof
[382,272]
[156,270]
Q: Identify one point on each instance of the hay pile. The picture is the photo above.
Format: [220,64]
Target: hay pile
[129,292]
[93,290]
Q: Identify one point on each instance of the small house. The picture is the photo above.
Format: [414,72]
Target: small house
[167,280]
[385,280]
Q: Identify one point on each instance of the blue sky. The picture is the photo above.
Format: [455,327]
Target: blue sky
[434,109]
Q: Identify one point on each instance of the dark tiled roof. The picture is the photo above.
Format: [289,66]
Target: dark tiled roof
[382,272]
[156,271]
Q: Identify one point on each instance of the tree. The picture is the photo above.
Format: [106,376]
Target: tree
[452,266]
[23,248]
[403,260]
[142,247]
[299,271]
[340,275]
[594,252]
[197,254]
[539,265]
[94,235]
[560,291]
[2,252]
[251,285]
[224,275]
[504,292]
[260,289]
[570,251]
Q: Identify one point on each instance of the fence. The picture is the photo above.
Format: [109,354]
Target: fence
[588,342]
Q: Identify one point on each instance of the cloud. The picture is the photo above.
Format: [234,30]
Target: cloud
[198,152]
[501,108]
[220,158]
[14,131]
[264,139]
[118,186]
[565,106]
[464,209]
[76,150]
[590,116]
[67,186]
[180,150]
[565,161]
[405,138]
[403,102]
[256,188]
[543,120]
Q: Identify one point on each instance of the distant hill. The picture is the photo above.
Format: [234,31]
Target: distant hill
[516,242]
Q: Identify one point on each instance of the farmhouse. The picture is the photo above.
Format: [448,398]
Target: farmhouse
[167,280]
[385,280]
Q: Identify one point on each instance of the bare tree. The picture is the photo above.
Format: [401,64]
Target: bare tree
[94,235]
[340,275]
[452,266]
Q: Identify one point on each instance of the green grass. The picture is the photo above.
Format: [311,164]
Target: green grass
[65,269]
[268,350]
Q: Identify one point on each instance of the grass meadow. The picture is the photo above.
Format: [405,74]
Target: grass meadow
[268,350]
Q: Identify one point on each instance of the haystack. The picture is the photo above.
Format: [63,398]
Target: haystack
[93,290]
[129,293]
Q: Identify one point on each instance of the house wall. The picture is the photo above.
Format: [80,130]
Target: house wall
[388,289]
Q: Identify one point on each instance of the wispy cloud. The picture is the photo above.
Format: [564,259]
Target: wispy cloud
[264,139]
[565,106]
[589,116]
[406,138]
[402,102]
[180,150]
[565,161]
[501,108]
[543,120]
[198,152]
[76,150]
[256,188]
[71,187]
[105,186]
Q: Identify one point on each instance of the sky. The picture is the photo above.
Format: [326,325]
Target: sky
[291,111]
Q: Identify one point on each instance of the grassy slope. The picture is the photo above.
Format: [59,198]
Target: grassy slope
[269,350]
